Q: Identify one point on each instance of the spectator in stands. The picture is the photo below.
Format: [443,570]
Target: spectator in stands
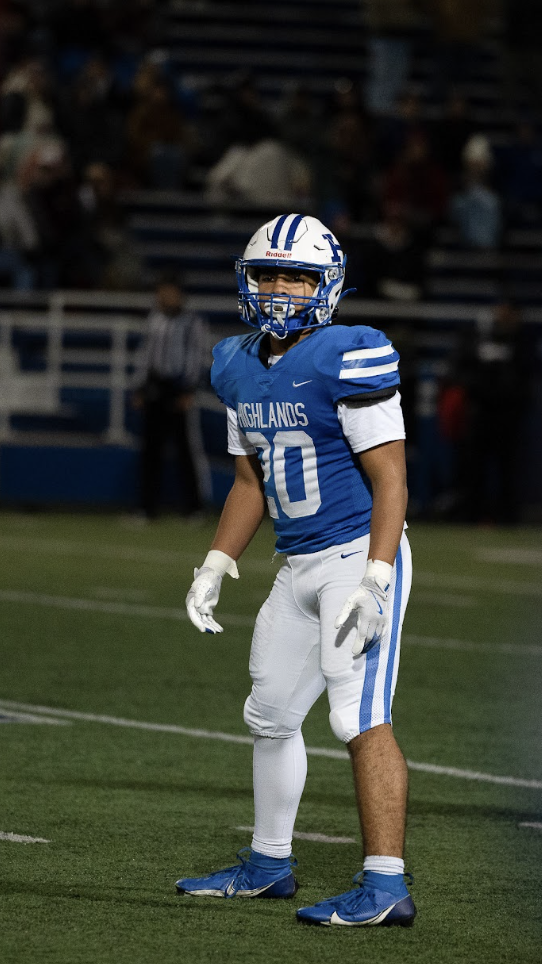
[159,142]
[243,118]
[14,33]
[19,240]
[148,74]
[484,403]
[391,28]
[346,175]
[175,353]
[458,27]
[64,253]
[393,259]
[266,173]
[299,125]
[18,237]
[394,130]
[92,115]
[417,185]
[449,133]
[476,209]
[118,265]
[29,99]
[133,26]
[30,110]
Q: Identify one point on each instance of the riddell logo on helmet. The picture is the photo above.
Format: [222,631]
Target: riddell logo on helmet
[278,254]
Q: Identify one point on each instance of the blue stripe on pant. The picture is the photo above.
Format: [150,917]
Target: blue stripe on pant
[373,660]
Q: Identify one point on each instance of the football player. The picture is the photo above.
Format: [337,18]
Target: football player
[315,423]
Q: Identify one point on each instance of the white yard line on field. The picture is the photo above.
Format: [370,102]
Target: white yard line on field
[247,740]
[514,555]
[8,705]
[67,547]
[20,838]
[112,608]
[474,775]
[230,619]
[12,717]
[467,646]
[121,594]
[453,600]
[472,584]
[531,825]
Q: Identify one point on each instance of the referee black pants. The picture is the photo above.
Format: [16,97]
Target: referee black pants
[162,423]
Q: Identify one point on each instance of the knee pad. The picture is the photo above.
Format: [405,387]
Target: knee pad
[345,723]
[261,722]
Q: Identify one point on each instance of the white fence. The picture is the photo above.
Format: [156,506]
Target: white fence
[121,316]
[39,392]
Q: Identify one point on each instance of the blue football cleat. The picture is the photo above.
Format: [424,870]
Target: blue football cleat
[244,880]
[365,906]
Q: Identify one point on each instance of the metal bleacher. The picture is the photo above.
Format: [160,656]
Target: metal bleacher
[314,43]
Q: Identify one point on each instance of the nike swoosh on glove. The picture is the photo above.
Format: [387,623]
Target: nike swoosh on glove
[370,603]
[205,590]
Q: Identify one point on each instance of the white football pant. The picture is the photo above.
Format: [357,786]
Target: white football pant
[297,653]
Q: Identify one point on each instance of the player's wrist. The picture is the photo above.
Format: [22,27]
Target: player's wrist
[380,571]
[220,563]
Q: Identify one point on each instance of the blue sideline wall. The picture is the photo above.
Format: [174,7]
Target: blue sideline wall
[103,476]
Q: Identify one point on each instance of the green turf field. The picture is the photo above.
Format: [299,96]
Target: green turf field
[92,623]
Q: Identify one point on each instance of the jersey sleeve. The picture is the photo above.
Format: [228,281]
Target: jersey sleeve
[237,442]
[359,362]
[366,426]
[223,369]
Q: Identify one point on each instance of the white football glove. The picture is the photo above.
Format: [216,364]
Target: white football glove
[370,602]
[204,592]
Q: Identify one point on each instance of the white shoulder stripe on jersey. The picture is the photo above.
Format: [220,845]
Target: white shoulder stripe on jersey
[359,353]
[368,372]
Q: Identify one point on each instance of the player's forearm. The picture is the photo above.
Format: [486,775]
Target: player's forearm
[241,516]
[387,519]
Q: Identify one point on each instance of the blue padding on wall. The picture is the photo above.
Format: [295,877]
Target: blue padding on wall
[56,474]
[105,476]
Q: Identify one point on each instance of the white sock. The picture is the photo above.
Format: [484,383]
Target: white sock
[280,768]
[384,865]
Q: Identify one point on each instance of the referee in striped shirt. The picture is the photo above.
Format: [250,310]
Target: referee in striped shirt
[175,352]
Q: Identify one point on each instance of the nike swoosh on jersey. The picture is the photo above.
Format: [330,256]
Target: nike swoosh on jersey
[299,384]
[344,555]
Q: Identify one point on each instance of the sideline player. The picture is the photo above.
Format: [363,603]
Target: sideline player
[315,423]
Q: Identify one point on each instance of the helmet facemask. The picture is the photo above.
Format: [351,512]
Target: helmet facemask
[280,313]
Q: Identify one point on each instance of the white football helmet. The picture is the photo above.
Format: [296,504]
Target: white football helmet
[291,241]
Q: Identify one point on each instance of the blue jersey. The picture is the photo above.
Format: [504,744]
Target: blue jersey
[316,491]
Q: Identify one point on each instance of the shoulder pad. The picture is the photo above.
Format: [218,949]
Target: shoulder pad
[228,359]
[357,361]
